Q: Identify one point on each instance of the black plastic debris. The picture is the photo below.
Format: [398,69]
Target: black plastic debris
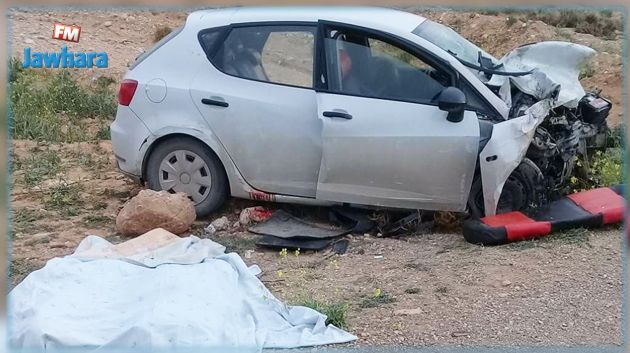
[284,225]
[413,222]
[270,241]
[340,246]
[283,230]
[361,222]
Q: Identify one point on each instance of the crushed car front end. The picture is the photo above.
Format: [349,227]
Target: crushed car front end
[552,127]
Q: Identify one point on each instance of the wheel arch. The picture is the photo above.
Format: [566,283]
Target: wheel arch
[152,145]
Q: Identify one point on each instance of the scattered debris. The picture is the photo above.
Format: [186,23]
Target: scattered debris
[218,225]
[284,225]
[210,230]
[293,243]
[584,209]
[396,223]
[340,246]
[362,222]
[255,214]
[156,209]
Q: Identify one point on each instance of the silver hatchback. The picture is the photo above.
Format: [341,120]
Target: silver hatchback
[364,106]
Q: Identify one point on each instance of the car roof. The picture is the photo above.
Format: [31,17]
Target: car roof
[370,17]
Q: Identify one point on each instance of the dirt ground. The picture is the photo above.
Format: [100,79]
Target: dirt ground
[563,290]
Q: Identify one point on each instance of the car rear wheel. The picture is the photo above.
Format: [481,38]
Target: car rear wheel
[522,191]
[185,165]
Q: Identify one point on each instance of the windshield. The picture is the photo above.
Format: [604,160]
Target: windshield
[449,40]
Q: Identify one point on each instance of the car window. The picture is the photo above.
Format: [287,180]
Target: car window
[473,100]
[278,54]
[363,65]
[208,38]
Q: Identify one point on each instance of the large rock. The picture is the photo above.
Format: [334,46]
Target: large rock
[152,209]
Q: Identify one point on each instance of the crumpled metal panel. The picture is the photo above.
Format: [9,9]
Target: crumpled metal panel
[554,64]
[509,142]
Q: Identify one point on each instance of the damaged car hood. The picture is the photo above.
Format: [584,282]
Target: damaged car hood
[554,65]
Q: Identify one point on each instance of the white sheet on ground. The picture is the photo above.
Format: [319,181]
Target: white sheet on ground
[184,293]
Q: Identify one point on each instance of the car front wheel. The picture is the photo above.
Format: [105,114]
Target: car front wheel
[185,165]
[522,191]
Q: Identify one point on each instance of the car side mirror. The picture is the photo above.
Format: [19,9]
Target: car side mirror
[453,101]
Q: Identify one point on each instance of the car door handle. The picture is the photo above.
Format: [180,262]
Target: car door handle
[336,114]
[217,102]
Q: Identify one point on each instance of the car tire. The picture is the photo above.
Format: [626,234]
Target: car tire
[522,191]
[173,165]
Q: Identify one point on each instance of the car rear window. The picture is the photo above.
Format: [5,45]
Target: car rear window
[157,45]
[281,54]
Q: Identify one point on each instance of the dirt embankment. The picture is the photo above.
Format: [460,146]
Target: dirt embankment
[125,35]
[498,36]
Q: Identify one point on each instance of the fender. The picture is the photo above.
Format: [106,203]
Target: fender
[505,151]
[238,185]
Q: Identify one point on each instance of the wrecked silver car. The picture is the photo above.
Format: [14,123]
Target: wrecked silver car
[361,106]
[551,122]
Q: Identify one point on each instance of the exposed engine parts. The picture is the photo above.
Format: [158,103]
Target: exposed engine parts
[566,136]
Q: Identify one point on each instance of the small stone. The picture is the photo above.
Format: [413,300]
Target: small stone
[29,41]
[503,295]
[38,238]
[249,253]
[506,283]
[405,312]
[220,224]
[107,23]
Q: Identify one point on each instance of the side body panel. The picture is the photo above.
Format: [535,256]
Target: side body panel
[270,131]
[396,154]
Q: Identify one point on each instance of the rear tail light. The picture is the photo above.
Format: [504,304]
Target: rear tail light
[126,92]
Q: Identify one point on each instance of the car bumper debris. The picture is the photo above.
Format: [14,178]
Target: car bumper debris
[587,209]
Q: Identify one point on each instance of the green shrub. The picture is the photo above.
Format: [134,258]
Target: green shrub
[586,70]
[616,136]
[161,32]
[511,20]
[605,169]
[376,300]
[39,166]
[65,198]
[598,23]
[335,312]
[53,106]
[15,69]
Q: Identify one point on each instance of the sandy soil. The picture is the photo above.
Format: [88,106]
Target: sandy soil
[565,290]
